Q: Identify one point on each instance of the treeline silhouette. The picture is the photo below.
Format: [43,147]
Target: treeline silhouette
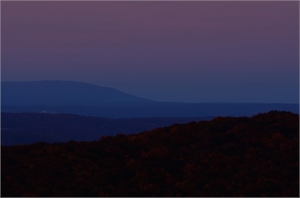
[227,156]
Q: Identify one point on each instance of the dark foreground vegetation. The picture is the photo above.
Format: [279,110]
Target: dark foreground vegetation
[257,156]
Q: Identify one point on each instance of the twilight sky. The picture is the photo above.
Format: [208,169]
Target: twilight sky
[166,51]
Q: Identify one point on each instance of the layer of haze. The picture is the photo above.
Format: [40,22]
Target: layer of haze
[166,51]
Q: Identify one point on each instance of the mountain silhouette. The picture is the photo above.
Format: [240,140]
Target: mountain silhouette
[64,93]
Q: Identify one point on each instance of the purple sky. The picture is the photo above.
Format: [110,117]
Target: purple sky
[166,51]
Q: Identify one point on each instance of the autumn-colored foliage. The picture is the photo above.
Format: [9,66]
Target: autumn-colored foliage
[227,156]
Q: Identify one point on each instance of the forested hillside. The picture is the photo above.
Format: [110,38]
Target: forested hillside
[227,156]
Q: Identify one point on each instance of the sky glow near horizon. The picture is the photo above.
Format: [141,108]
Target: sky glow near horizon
[166,51]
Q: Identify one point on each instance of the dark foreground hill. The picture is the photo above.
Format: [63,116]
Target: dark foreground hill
[227,156]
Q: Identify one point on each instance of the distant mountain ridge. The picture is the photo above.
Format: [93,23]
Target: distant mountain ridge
[91,100]
[63,93]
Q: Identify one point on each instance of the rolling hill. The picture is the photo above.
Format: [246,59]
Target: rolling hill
[27,128]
